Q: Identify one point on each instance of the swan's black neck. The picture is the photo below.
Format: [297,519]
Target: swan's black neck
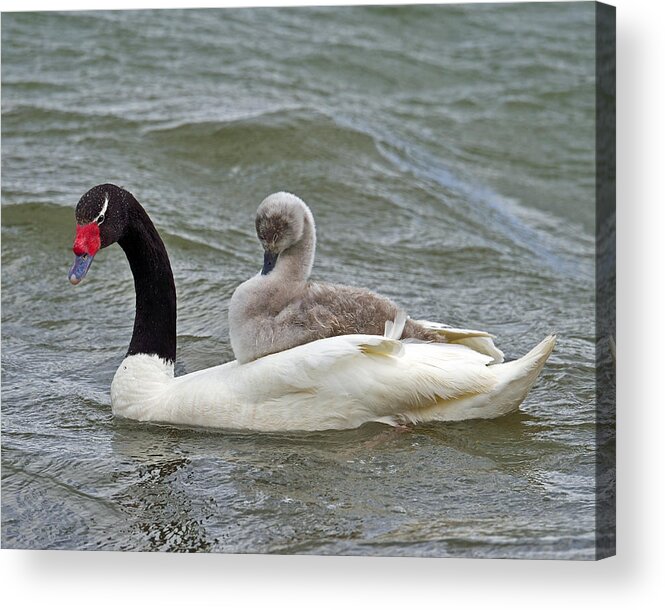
[155,321]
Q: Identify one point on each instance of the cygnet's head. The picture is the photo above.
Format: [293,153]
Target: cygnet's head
[281,222]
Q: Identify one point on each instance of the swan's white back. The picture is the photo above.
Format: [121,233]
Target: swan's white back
[335,383]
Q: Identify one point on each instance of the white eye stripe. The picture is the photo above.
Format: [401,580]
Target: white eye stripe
[103,212]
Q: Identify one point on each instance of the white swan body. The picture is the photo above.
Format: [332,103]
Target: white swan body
[336,383]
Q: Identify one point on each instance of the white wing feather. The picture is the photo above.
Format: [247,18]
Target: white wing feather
[477,340]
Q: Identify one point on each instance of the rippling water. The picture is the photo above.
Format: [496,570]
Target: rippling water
[448,156]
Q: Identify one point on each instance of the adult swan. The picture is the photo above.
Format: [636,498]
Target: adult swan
[338,382]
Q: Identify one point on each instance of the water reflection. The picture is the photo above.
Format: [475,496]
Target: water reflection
[158,511]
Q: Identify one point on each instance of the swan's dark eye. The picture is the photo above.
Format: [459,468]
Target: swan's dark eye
[100,220]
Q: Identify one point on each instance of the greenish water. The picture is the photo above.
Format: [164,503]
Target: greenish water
[448,156]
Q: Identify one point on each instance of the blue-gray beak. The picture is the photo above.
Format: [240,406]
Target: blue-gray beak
[80,267]
[269,261]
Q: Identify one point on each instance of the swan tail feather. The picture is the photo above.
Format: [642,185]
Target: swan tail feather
[516,378]
[513,381]
[528,367]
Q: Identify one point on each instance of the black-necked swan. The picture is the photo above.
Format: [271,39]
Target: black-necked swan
[281,308]
[339,382]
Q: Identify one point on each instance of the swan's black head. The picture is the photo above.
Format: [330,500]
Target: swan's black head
[101,218]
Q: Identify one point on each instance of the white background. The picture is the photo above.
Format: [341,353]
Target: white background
[633,579]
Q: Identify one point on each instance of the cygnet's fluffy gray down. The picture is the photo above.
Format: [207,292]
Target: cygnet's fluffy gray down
[280,309]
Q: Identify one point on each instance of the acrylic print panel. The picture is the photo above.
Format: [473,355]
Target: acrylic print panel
[457,159]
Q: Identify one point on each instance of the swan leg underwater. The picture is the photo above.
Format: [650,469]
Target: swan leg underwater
[338,382]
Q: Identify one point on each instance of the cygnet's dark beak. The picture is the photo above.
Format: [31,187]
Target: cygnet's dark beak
[269,262]
[80,267]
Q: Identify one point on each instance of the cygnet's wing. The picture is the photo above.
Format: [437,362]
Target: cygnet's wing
[335,309]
